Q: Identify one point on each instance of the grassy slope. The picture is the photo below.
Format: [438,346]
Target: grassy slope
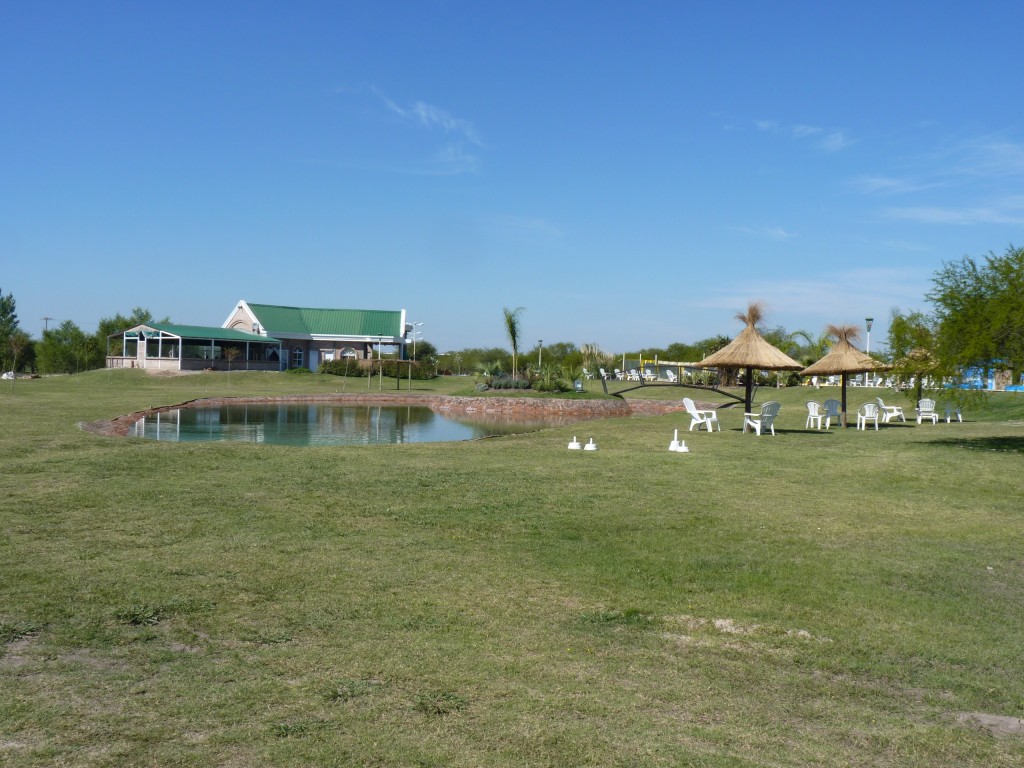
[827,599]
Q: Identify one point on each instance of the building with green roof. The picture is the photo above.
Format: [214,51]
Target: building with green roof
[310,335]
[165,346]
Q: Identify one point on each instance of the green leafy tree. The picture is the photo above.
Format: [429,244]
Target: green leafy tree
[8,325]
[17,342]
[424,351]
[912,347]
[979,309]
[65,349]
[512,328]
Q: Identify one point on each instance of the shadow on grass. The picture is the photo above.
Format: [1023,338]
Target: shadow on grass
[1005,444]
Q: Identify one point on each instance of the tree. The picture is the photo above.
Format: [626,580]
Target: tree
[63,349]
[424,351]
[8,325]
[512,329]
[979,309]
[912,347]
[17,342]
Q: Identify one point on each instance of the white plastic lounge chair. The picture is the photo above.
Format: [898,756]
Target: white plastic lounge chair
[952,409]
[604,373]
[701,418]
[867,412]
[833,410]
[926,410]
[890,412]
[671,376]
[764,418]
[633,375]
[815,415]
[619,375]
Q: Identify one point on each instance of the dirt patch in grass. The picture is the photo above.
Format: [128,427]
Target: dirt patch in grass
[997,725]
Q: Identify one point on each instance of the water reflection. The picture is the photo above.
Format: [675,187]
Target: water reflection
[306,424]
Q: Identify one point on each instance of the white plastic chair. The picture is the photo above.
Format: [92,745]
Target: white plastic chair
[890,412]
[952,409]
[815,415]
[867,412]
[926,410]
[671,376]
[701,418]
[765,418]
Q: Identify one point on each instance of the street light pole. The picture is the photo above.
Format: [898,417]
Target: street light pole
[867,345]
[540,351]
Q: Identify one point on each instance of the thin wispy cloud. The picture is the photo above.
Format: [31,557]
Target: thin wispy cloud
[1009,210]
[989,157]
[825,139]
[527,225]
[834,141]
[454,139]
[888,185]
[431,116]
[767,233]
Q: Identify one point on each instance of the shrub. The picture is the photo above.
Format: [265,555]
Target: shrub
[507,382]
[346,366]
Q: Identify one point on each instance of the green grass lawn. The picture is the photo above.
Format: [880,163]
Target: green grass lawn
[828,599]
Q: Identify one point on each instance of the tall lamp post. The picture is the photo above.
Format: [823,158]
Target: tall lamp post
[415,333]
[867,344]
[540,351]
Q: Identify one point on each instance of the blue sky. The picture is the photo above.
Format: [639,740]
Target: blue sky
[632,174]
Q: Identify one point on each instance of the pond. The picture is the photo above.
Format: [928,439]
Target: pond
[312,424]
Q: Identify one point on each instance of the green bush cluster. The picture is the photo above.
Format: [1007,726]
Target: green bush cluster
[507,382]
[392,368]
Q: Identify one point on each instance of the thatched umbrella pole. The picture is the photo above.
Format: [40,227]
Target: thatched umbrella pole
[748,392]
[842,416]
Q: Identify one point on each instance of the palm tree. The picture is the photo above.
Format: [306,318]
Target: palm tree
[512,329]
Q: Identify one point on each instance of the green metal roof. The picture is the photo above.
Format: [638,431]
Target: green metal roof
[328,322]
[213,334]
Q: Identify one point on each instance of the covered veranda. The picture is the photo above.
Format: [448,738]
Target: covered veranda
[163,346]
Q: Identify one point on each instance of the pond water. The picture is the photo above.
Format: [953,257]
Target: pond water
[310,424]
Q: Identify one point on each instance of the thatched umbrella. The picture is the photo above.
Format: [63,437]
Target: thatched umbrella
[843,359]
[750,352]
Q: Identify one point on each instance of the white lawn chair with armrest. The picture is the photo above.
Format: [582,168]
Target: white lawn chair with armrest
[890,412]
[701,418]
[868,412]
[764,418]
[926,410]
[952,409]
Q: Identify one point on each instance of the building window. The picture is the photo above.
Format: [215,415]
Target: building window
[297,357]
[348,352]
